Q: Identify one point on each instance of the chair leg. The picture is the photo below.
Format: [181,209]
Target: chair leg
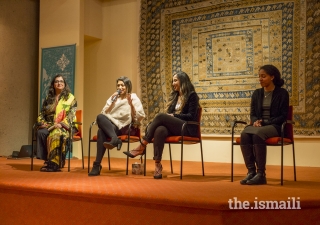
[109,159]
[89,157]
[82,154]
[181,160]
[170,158]
[145,162]
[282,164]
[70,150]
[294,163]
[232,161]
[202,158]
[127,168]
[32,155]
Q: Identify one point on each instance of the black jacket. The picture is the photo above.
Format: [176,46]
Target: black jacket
[188,112]
[278,110]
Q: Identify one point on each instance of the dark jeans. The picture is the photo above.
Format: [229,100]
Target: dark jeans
[106,130]
[161,127]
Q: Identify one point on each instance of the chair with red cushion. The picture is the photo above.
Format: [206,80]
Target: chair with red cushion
[286,138]
[182,140]
[78,135]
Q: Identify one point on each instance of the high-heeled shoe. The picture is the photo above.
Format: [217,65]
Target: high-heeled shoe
[158,171]
[115,142]
[140,150]
[96,169]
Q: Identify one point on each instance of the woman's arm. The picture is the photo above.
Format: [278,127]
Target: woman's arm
[137,112]
[279,108]
[69,117]
[41,118]
[109,103]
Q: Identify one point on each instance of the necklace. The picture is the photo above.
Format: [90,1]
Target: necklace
[268,94]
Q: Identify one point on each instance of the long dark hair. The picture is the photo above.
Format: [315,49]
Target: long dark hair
[51,93]
[273,71]
[127,83]
[186,88]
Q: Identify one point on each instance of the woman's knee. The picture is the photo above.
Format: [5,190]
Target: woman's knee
[42,132]
[161,131]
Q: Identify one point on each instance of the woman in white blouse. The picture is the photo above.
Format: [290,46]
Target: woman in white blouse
[121,109]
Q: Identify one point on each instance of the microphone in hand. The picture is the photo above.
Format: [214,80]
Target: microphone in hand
[116,96]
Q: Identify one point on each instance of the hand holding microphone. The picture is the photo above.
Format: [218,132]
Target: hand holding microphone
[115,95]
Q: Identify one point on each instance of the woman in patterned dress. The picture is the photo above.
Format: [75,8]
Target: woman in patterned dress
[54,124]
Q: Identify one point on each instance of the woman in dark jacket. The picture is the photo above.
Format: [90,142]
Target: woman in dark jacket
[183,106]
[269,109]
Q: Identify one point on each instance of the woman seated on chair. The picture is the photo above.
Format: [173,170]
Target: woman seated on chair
[121,109]
[269,109]
[182,106]
[54,124]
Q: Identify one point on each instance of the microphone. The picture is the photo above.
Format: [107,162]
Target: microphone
[116,96]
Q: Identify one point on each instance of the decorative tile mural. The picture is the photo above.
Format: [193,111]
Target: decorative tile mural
[220,45]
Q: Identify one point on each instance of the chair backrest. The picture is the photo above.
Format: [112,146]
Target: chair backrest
[288,130]
[199,115]
[79,119]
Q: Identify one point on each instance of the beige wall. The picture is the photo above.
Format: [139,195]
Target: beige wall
[61,23]
[19,27]
[113,56]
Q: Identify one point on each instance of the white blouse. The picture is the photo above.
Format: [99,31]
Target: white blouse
[120,114]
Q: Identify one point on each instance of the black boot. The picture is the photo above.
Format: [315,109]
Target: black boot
[115,142]
[95,171]
[261,158]
[248,156]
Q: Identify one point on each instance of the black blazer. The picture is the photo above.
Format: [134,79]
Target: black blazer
[188,112]
[278,110]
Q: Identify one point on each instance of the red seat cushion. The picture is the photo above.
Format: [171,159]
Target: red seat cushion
[121,137]
[186,139]
[277,141]
[272,141]
[75,137]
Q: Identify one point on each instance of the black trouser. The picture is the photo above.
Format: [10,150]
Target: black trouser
[42,151]
[161,127]
[106,130]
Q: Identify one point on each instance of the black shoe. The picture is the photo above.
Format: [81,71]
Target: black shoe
[133,156]
[248,177]
[115,142]
[140,150]
[50,167]
[95,171]
[259,178]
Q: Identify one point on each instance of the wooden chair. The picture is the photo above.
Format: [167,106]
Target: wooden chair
[182,140]
[286,138]
[125,139]
[76,137]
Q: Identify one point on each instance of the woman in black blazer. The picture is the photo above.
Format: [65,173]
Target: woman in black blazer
[182,106]
[269,109]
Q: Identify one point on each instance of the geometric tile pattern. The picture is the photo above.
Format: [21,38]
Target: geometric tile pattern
[220,45]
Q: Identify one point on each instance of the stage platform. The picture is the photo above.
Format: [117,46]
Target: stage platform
[33,197]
